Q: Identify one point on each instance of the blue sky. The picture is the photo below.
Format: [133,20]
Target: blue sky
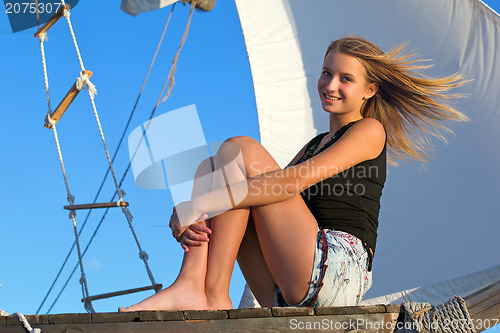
[213,73]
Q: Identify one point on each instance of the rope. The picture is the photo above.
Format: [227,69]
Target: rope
[451,316]
[120,192]
[43,38]
[171,73]
[170,78]
[37,15]
[142,254]
[27,325]
[157,48]
[83,279]
[72,214]
[67,15]
[70,197]
[81,82]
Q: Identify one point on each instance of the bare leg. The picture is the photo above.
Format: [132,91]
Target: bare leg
[188,290]
[254,268]
[194,288]
[228,230]
[286,232]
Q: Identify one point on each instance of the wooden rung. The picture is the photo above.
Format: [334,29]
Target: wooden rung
[98,205]
[66,102]
[52,20]
[156,287]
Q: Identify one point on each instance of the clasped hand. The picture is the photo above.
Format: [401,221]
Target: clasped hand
[188,226]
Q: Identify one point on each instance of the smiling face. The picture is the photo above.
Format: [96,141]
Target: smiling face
[343,86]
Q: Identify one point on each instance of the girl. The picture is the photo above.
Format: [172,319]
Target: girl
[305,235]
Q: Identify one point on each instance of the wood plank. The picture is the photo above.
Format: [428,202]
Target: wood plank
[66,102]
[369,323]
[97,205]
[205,314]
[393,308]
[42,319]
[146,316]
[70,318]
[339,310]
[122,292]
[484,306]
[114,317]
[292,311]
[250,313]
[52,20]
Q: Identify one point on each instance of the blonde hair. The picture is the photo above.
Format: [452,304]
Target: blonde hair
[409,104]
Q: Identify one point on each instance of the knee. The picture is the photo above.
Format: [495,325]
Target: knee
[291,297]
[243,141]
[238,145]
[206,167]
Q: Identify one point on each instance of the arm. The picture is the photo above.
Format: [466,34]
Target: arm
[363,141]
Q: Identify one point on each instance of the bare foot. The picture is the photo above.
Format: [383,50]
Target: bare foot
[179,296]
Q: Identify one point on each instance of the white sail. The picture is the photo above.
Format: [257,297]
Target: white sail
[440,292]
[438,220]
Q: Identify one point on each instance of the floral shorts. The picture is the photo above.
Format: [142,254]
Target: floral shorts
[340,274]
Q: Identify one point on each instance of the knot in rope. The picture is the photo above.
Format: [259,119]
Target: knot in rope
[88,306]
[66,13]
[27,325]
[83,80]
[42,36]
[143,255]
[48,119]
[127,213]
[71,199]
[121,193]
[423,317]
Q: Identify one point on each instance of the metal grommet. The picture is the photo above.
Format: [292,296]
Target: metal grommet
[347,281]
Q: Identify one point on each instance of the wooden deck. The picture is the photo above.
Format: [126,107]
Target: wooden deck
[373,318]
[483,306]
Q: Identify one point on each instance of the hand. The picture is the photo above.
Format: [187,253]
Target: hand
[195,235]
[182,217]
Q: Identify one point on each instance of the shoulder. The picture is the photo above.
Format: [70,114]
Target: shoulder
[368,133]
[371,127]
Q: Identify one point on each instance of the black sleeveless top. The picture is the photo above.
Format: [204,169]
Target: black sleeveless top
[350,200]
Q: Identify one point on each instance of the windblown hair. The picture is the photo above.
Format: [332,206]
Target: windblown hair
[410,105]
